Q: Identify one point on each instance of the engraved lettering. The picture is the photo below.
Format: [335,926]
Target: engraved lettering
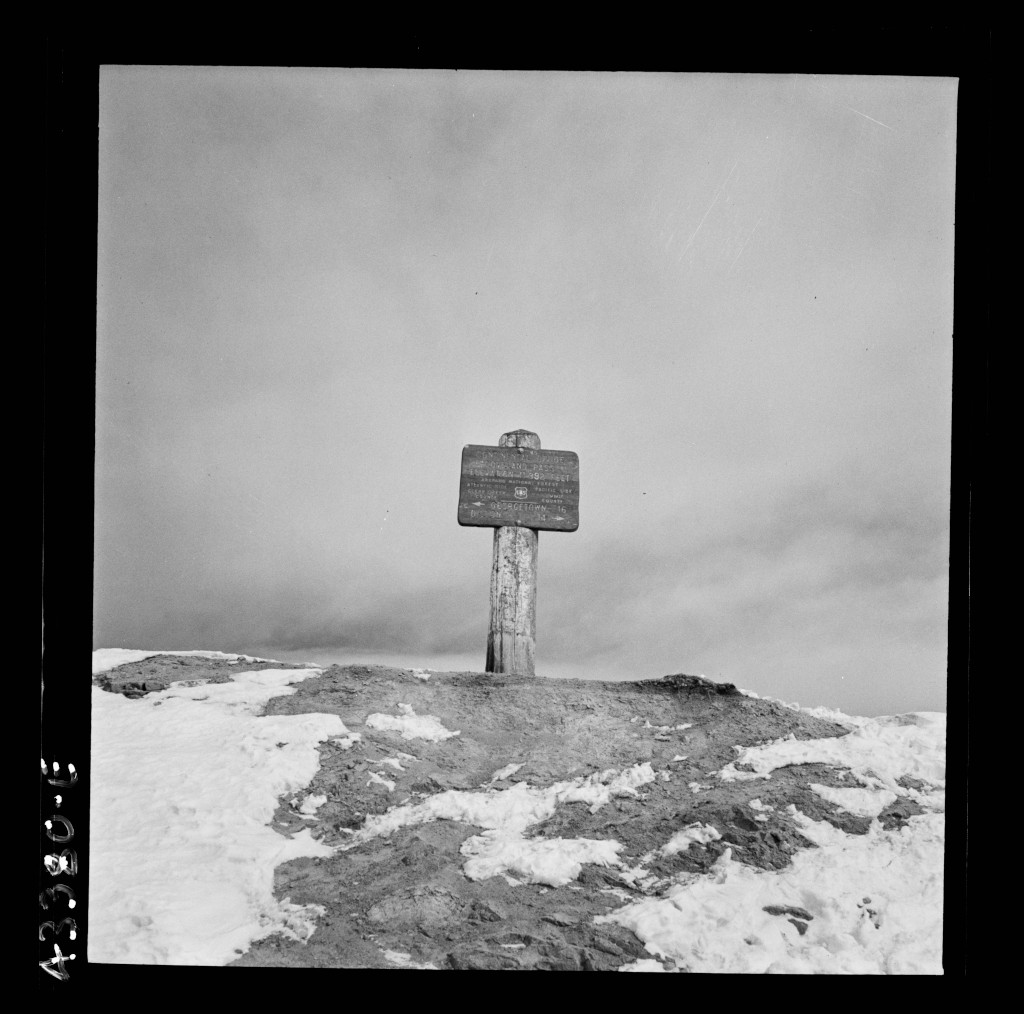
[525,486]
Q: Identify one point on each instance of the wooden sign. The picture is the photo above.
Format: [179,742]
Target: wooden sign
[517,489]
[523,487]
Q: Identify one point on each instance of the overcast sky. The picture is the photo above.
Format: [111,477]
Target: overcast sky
[731,295]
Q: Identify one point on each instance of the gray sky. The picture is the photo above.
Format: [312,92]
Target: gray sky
[730,295]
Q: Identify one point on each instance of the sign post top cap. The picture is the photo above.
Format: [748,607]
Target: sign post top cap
[520,438]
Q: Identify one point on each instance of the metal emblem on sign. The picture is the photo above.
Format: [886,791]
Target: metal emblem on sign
[492,493]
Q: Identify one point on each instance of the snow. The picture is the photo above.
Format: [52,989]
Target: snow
[403,960]
[694,834]
[644,965]
[717,923]
[878,752]
[503,848]
[829,714]
[377,778]
[862,802]
[875,899]
[185,784]
[104,659]
[502,773]
[515,808]
[551,861]
[311,804]
[410,725]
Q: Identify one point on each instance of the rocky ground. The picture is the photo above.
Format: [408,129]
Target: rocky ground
[405,898]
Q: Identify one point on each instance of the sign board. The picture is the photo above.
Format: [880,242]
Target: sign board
[520,486]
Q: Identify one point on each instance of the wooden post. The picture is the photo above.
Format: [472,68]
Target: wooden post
[518,490]
[512,633]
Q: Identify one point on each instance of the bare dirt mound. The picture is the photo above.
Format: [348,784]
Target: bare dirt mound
[158,672]
[403,896]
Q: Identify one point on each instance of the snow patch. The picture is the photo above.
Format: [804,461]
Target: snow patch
[643,965]
[829,714]
[878,753]
[312,803]
[551,861]
[862,802]
[717,922]
[349,740]
[185,784]
[403,960]
[505,772]
[410,725]
[694,834]
[503,848]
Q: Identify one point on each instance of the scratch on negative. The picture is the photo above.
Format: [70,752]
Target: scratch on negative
[745,242]
[871,118]
[710,206]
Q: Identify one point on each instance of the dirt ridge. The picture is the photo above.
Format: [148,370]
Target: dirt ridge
[404,900]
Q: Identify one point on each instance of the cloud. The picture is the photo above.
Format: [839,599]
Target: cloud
[730,295]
